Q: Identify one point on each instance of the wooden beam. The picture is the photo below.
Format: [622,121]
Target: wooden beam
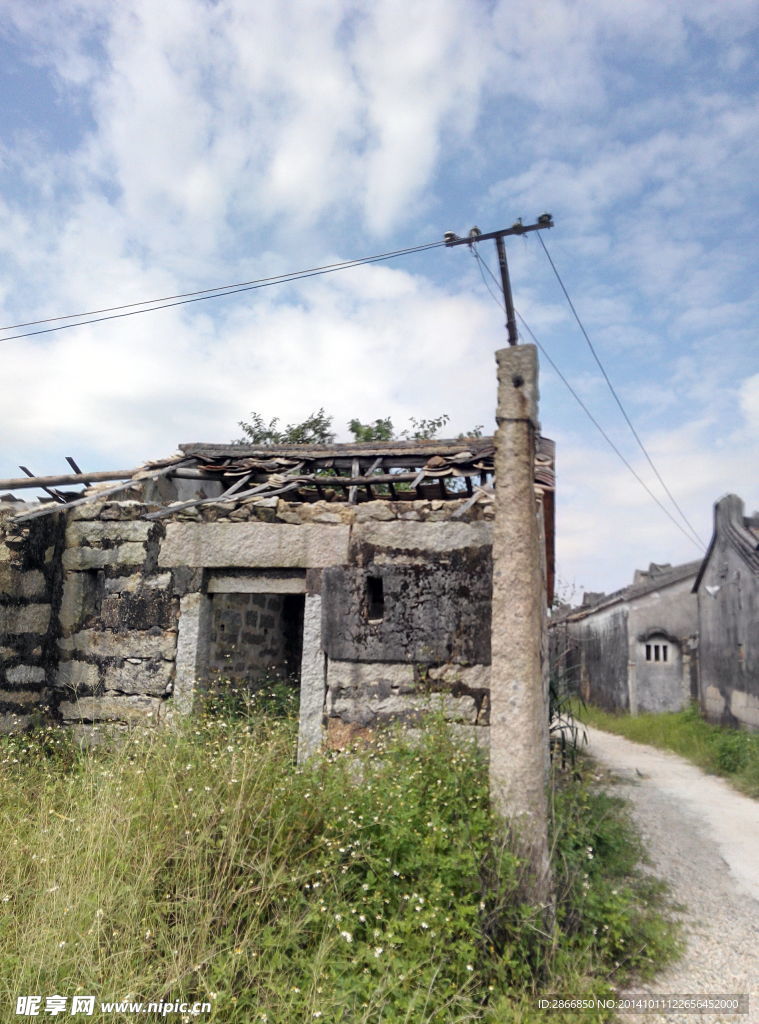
[98,495]
[76,478]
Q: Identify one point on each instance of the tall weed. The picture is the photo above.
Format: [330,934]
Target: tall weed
[200,863]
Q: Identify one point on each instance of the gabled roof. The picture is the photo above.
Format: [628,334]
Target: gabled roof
[658,577]
[740,532]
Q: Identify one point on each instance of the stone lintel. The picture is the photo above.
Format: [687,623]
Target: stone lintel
[260,583]
[254,545]
[431,538]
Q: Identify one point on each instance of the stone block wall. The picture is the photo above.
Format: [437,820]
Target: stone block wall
[118,619]
[29,593]
[249,636]
[113,619]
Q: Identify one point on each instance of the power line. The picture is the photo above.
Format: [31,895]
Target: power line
[587,411]
[204,294]
[617,398]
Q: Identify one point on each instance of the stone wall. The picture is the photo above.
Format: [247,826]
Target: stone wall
[255,636]
[29,596]
[118,618]
[114,619]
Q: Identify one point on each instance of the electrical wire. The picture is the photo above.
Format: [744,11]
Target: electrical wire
[204,294]
[616,397]
[583,406]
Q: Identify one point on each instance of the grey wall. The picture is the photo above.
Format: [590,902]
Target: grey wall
[30,585]
[729,638]
[602,642]
[670,616]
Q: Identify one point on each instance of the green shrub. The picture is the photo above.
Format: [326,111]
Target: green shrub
[200,863]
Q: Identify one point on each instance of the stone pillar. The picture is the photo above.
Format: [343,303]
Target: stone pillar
[519,712]
[312,681]
[193,641]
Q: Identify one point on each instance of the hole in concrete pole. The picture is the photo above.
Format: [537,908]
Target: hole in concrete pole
[517,380]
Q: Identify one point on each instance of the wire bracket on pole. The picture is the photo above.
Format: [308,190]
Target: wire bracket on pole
[545,220]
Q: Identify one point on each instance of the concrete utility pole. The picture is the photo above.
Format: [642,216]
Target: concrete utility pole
[518,697]
[475,235]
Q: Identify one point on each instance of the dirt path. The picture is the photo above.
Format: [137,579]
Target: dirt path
[703,838]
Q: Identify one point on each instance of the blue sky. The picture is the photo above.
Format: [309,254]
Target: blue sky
[150,149]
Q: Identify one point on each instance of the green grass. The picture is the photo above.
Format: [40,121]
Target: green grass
[732,753]
[200,864]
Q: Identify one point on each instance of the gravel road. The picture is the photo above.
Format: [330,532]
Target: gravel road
[703,838]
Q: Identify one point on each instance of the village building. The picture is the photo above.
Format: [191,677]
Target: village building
[676,634]
[727,589]
[636,649]
[362,573]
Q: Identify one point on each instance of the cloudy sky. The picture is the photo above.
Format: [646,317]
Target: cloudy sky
[149,149]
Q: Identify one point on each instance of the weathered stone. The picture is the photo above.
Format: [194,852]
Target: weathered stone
[356,678]
[11,723]
[374,510]
[433,609]
[24,618]
[18,583]
[23,699]
[341,735]
[91,736]
[135,676]
[193,641]
[80,600]
[126,584]
[474,677]
[434,538]
[368,710]
[262,545]
[143,610]
[111,708]
[21,674]
[77,676]
[135,644]
[286,514]
[312,681]
[97,532]
[97,558]
[327,517]
[260,583]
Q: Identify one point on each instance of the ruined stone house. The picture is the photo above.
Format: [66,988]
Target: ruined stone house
[360,572]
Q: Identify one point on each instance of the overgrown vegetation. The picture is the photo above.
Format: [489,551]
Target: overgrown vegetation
[199,864]
[317,429]
[731,753]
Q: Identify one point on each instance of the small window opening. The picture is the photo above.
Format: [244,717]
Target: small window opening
[657,652]
[375,598]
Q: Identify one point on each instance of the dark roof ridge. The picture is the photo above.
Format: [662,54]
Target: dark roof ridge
[676,574]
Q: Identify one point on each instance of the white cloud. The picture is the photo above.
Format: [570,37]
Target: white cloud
[212,142]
